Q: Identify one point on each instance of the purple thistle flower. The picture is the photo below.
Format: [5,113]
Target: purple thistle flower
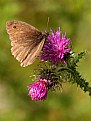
[56,47]
[38,90]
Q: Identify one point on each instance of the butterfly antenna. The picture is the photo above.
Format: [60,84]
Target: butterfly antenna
[47,23]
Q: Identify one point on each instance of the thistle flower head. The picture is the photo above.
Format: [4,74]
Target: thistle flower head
[38,90]
[56,47]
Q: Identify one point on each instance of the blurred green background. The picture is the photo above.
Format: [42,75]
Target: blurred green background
[74,18]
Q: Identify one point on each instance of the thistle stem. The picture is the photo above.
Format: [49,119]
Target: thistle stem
[76,78]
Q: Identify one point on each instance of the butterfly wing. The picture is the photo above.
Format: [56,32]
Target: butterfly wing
[26,41]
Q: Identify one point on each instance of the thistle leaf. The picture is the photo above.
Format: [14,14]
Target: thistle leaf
[76,59]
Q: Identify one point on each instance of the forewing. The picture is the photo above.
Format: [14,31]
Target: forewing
[24,38]
[33,54]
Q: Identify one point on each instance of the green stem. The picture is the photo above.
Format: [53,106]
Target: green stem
[77,79]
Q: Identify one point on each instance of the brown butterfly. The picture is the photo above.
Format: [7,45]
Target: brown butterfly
[26,41]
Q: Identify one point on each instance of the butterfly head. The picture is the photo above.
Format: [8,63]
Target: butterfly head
[45,34]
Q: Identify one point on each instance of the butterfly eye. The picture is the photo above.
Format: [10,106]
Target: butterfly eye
[14,27]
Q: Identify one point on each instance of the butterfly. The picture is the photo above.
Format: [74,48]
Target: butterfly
[26,41]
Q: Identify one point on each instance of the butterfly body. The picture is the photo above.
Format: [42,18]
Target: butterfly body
[26,41]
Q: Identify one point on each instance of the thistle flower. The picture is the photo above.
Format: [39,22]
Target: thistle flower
[56,47]
[38,90]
